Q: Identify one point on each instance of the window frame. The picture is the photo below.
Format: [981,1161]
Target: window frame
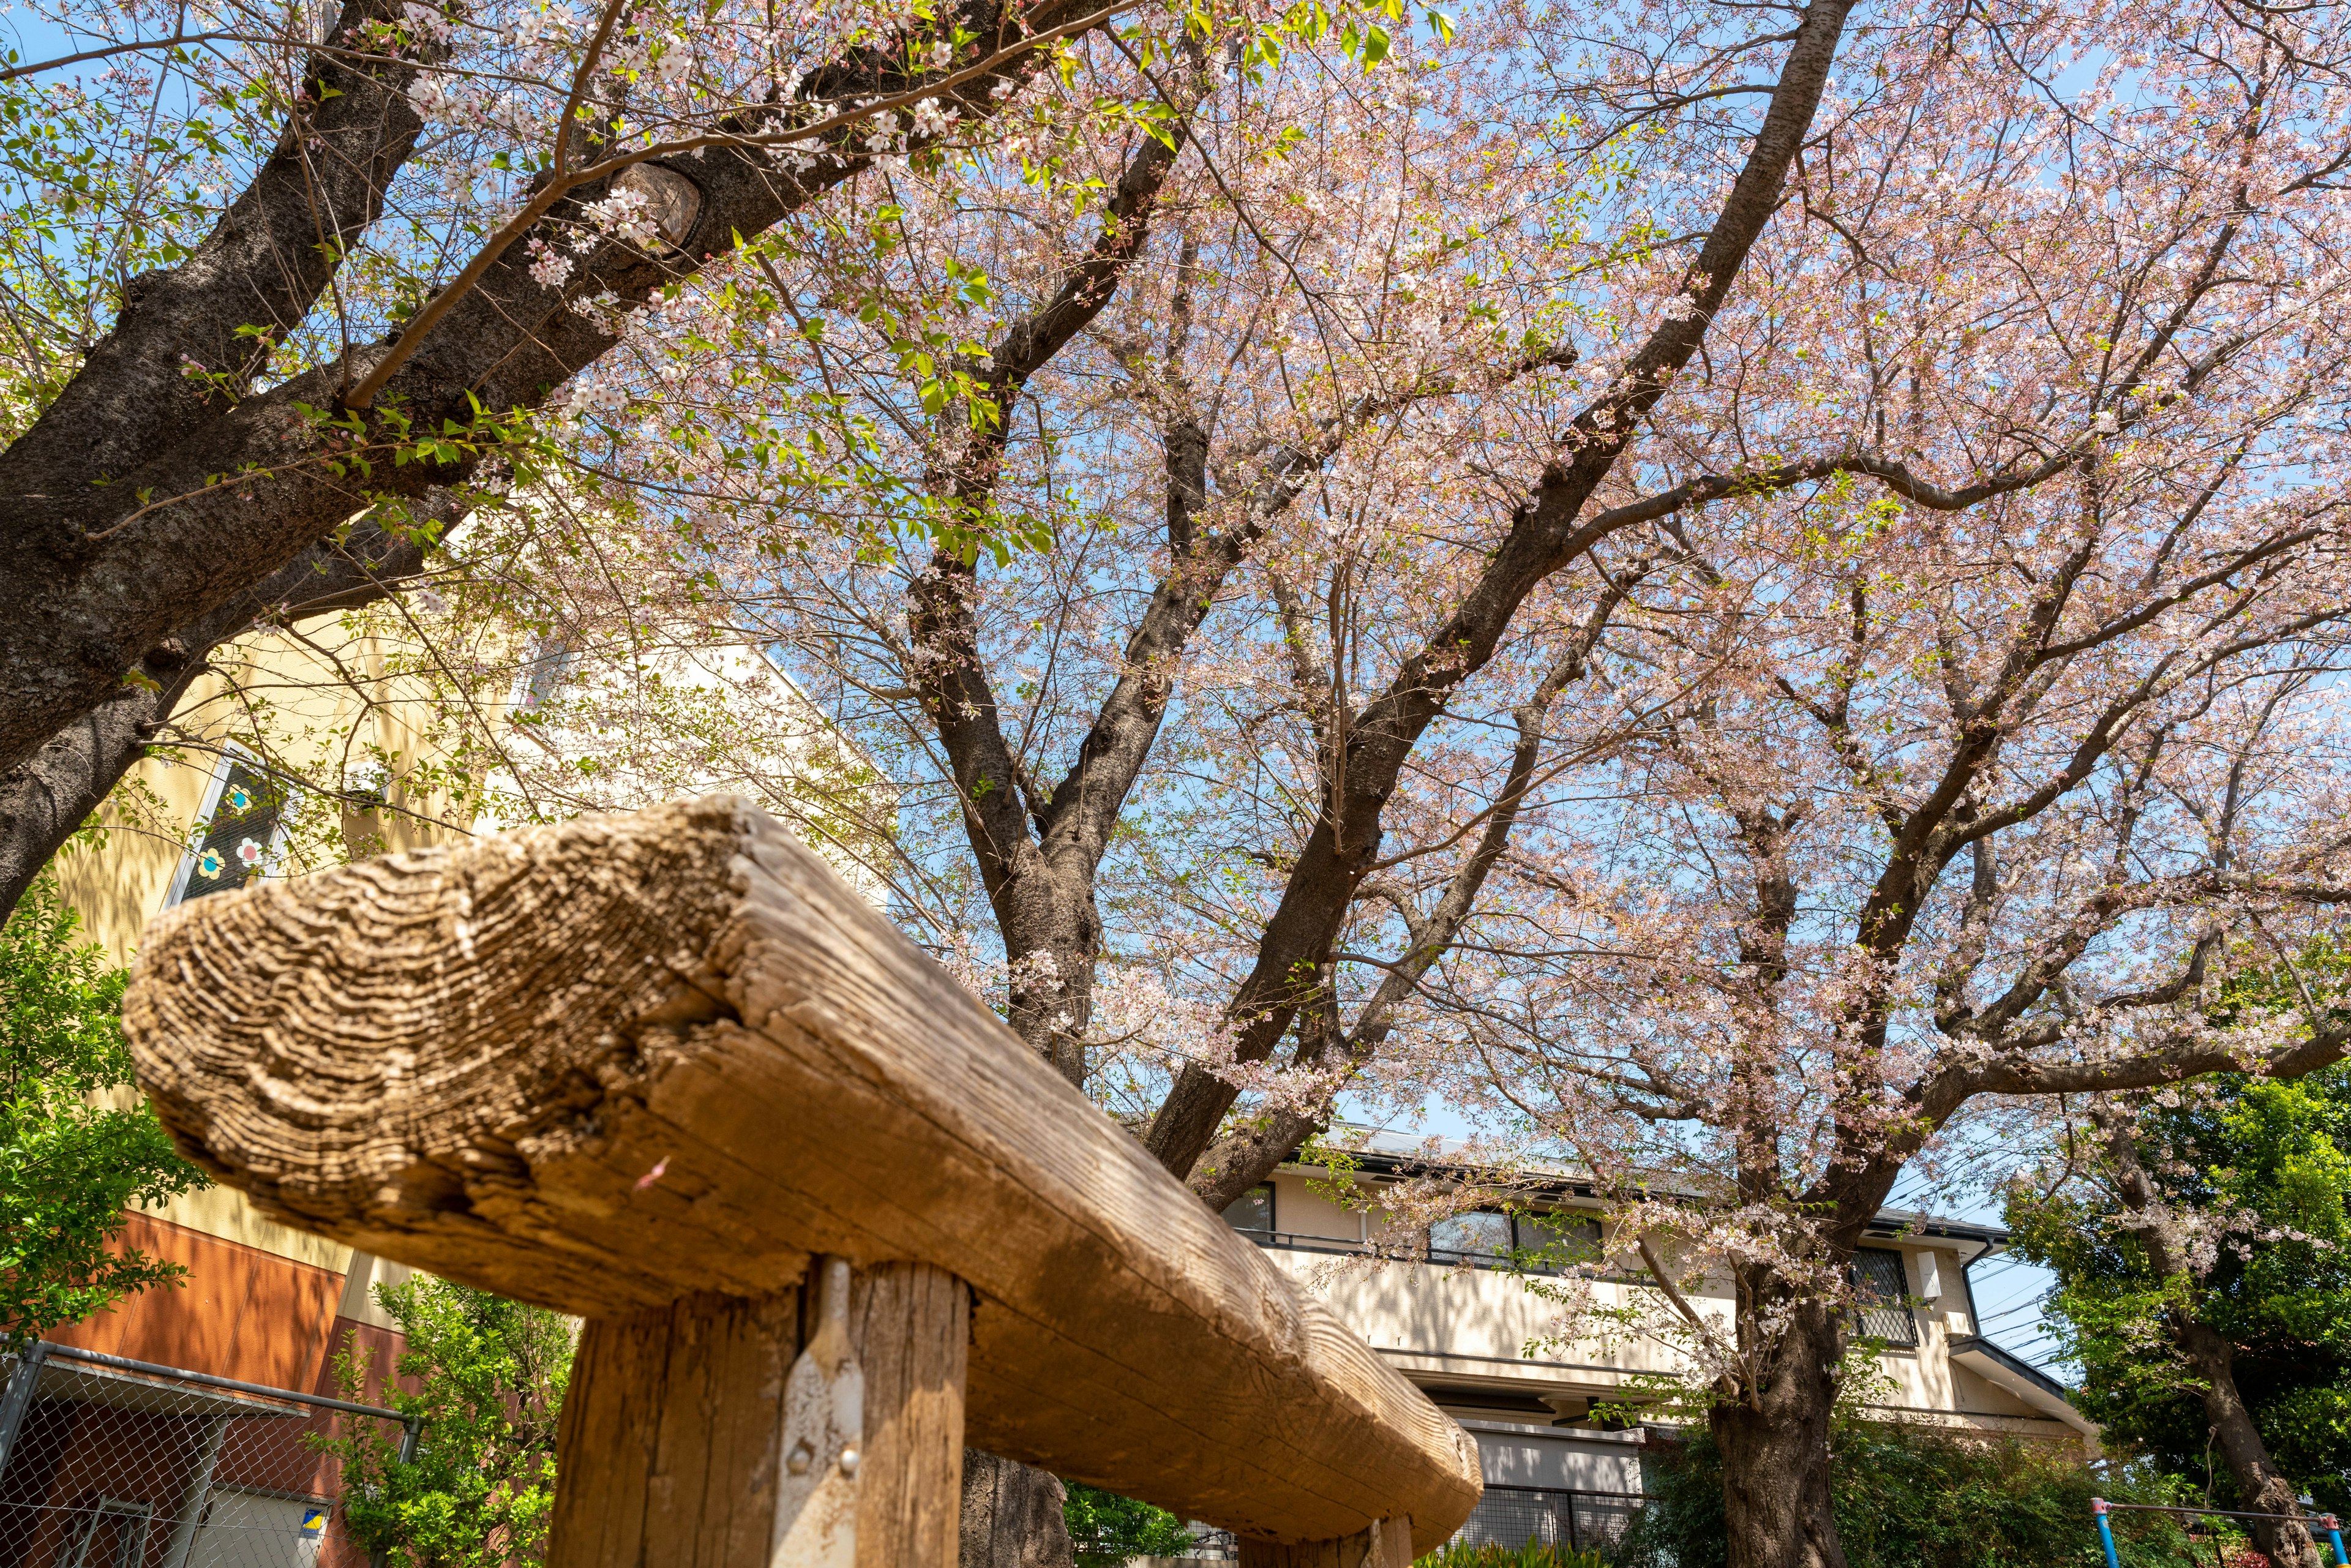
[1453,1256]
[1871,1305]
[1272,1216]
[1524,1225]
[273,853]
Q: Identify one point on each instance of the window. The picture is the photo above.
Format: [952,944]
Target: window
[544,673]
[1252,1212]
[244,829]
[1481,1236]
[1560,1239]
[1884,1290]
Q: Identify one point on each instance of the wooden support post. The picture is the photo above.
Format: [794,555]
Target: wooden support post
[1386,1543]
[911,1323]
[674,1448]
[666,1456]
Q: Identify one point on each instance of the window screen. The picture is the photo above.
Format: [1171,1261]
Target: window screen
[1481,1236]
[1253,1210]
[237,841]
[1884,1291]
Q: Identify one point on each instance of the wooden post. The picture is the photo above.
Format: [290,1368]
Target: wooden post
[911,1326]
[667,1450]
[674,1448]
[1386,1543]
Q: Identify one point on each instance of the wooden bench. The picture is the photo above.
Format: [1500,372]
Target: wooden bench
[825,1215]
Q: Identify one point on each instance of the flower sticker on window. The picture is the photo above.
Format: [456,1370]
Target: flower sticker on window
[208,863]
[249,853]
[237,800]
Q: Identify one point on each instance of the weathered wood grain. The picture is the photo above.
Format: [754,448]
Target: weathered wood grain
[911,1323]
[604,1065]
[668,1437]
[1386,1543]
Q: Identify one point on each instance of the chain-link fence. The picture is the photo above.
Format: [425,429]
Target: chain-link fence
[109,1463]
[1584,1520]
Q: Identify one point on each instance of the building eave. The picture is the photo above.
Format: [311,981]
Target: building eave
[2005,1370]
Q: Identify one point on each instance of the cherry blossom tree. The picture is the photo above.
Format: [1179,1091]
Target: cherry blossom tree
[2007,538]
[1730,585]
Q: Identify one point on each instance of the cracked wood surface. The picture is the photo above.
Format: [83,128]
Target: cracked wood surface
[605,1065]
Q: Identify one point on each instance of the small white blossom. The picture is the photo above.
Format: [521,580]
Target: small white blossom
[931,120]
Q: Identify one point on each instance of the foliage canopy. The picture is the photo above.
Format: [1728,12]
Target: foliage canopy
[73,1153]
[2266,1166]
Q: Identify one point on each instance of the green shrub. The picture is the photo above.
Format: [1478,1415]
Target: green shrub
[1106,1529]
[1912,1499]
[480,1491]
[72,1158]
[1530,1555]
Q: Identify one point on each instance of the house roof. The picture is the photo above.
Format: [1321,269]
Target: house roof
[1386,1154]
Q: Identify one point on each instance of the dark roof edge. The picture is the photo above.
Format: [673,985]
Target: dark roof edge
[1976,1344]
[1890,1222]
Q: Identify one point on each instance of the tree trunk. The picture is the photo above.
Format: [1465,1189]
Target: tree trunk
[2263,1487]
[1011,1516]
[2207,1352]
[1775,1452]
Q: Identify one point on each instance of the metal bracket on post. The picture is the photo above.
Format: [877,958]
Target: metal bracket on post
[822,1437]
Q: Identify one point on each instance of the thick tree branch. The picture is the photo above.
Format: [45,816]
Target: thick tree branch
[263,481]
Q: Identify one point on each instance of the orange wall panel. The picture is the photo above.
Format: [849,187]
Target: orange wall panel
[241,1312]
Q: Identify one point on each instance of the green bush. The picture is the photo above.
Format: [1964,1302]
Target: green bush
[480,1491]
[72,1156]
[1530,1555]
[1908,1497]
[1106,1529]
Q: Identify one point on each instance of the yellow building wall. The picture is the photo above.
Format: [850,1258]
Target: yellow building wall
[322,704]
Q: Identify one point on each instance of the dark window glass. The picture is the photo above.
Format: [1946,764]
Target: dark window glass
[1885,1292]
[1481,1236]
[1253,1210]
[1560,1239]
[237,839]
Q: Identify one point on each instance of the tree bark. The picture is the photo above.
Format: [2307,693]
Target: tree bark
[1776,1505]
[2263,1487]
[1012,1516]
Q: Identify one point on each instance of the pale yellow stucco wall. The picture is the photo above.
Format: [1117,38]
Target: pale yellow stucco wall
[1484,1328]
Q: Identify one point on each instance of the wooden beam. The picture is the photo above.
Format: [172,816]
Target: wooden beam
[1385,1543]
[604,1065]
